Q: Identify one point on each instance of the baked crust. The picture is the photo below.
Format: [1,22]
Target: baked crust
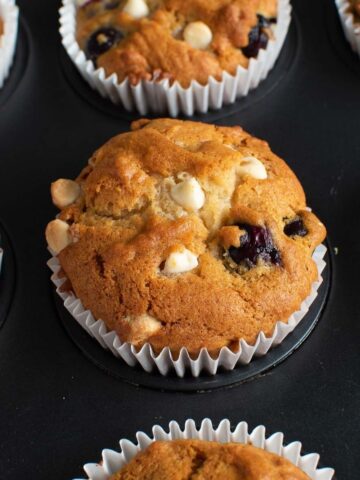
[153,47]
[125,224]
[201,460]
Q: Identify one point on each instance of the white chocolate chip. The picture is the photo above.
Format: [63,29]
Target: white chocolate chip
[188,193]
[142,327]
[136,8]
[253,167]
[180,262]
[58,235]
[198,35]
[64,192]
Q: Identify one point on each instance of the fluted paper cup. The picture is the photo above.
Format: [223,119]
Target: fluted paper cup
[9,14]
[163,97]
[351,28]
[164,362]
[113,461]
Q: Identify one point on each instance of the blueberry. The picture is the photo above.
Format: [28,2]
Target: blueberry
[256,244]
[111,4]
[295,228]
[101,41]
[258,38]
[263,22]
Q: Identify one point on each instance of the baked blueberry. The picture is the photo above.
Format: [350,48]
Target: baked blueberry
[264,22]
[101,41]
[112,4]
[258,38]
[256,244]
[295,228]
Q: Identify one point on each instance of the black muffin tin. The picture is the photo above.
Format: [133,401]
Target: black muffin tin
[62,397]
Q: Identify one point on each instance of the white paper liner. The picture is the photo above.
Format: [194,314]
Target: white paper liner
[164,361]
[351,28]
[113,461]
[161,97]
[9,13]
[1,257]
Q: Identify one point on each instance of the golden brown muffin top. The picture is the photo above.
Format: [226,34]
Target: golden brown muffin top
[175,39]
[186,234]
[1,26]
[201,460]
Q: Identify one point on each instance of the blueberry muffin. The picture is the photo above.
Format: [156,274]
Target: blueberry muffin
[201,460]
[184,234]
[175,39]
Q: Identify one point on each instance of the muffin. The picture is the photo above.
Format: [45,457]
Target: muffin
[208,451]
[202,460]
[183,234]
[174,56]
[173,39]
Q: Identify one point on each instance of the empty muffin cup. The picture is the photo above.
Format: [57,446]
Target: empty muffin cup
[162,95]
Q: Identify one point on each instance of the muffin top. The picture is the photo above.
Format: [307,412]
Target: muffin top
[186,234]
[201,460]
[175,39]
[1,26]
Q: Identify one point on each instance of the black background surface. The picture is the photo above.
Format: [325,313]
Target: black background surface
[57,409]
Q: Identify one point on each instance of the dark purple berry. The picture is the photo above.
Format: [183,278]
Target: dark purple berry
[256,244]
[295,228]
[101,41]
[111,4]
[258,38]
[263,22]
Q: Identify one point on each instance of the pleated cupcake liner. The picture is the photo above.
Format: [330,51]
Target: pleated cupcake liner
[351,28]
[113,461]
[172,98]
[9,13]
[165,362]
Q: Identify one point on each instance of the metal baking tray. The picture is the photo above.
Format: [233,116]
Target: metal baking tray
[62,397]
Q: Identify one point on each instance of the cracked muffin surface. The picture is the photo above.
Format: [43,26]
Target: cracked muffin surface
[200,460]
[174,39]
[184,234]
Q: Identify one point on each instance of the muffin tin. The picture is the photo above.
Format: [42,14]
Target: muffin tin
[58,408]
[7,275]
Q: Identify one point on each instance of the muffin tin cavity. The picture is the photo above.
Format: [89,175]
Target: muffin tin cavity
[7,275]
[136,376]
[284,63]
[20,63]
